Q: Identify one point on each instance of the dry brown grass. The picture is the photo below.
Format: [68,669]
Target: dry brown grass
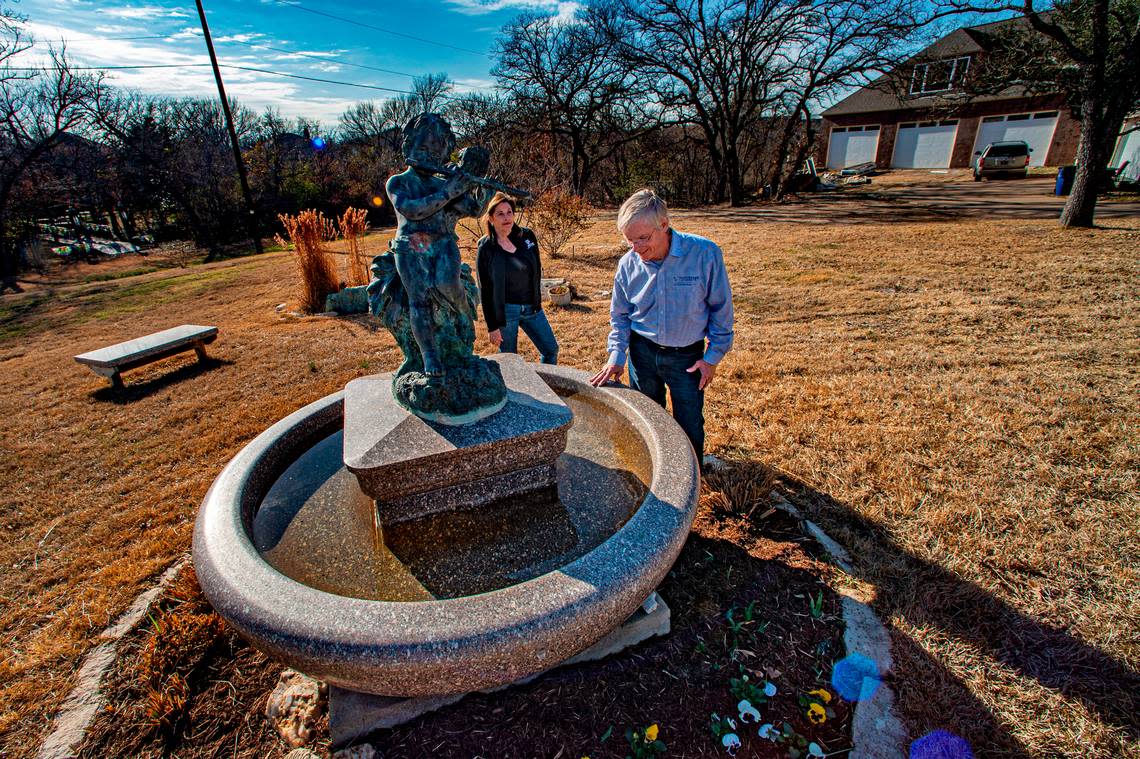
[956,403]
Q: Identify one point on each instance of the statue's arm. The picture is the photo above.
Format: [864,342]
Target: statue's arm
[418,209]
[475,203]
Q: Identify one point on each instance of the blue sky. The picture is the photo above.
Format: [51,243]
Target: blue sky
[245,30]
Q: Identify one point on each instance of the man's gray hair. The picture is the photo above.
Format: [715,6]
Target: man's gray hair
[643,204]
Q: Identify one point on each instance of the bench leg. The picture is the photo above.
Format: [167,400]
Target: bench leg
[116,381]
[200,349]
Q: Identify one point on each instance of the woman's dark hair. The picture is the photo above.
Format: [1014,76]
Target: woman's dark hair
[499,197]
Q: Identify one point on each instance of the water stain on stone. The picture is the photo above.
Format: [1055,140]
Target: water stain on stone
[317,527]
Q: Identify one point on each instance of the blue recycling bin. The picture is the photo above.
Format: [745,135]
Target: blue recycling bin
[1065,176]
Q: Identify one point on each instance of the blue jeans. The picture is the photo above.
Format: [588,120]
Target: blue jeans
[533,321]
[653,367]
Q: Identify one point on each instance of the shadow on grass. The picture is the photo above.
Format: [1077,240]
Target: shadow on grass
[134,391]
[932,597]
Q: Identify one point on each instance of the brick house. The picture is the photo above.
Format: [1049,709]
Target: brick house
[917,117]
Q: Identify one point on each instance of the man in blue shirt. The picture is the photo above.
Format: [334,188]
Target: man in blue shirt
[671,292]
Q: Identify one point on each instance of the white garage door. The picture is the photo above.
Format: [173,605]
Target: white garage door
[1128,149]
[850,146]
[925,145]
[1033,128]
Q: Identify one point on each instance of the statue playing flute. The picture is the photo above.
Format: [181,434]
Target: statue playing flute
[422,292]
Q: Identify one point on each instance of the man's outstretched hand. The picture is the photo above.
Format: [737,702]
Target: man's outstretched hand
[609,372]
[707,370]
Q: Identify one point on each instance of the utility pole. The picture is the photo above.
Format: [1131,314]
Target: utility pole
[251,218]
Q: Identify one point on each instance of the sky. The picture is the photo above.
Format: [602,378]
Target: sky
[341,40]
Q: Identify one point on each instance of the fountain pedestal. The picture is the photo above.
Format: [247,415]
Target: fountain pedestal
[413,467]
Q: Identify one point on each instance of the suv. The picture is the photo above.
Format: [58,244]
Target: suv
[1011,157]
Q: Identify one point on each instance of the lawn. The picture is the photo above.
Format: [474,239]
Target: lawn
[957,403]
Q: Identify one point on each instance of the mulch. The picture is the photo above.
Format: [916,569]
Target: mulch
[676,682]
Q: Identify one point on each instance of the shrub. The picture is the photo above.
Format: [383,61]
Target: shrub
[556,217]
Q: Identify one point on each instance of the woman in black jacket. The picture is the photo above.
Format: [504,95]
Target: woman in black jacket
[510,273]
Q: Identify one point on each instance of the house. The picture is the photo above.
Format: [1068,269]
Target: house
[1127,152]
[918,117]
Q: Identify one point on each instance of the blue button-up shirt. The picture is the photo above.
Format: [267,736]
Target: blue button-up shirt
[675,301]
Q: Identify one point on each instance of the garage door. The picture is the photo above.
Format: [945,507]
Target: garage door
[850,146]
[1033,128]
[1128,149]
[925,145]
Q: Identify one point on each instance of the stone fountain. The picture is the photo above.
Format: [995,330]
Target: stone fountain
[461,524]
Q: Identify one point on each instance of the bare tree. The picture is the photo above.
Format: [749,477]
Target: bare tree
[380,123]
[841,44]
[179,150]
[717,65]
[567,80]
[1088,49]
[37,109]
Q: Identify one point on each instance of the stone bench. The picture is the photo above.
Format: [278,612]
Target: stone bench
[110,361]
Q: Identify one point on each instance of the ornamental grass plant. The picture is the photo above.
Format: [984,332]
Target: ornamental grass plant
[309,231]
[353,223]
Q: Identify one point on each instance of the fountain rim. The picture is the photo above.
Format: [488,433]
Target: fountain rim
[292,620]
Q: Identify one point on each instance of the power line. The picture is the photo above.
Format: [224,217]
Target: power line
[110,68]
[116,39]
[315,79]
[320,58]
[256,45]
[223,65]
[300,7]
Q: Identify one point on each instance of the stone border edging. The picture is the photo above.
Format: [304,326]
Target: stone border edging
[75,715]
[876,732]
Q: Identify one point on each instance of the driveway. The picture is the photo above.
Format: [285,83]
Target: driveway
[921,196]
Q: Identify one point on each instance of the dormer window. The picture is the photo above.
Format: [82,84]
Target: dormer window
[938,76]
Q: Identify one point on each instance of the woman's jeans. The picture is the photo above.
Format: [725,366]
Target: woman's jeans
[533,321]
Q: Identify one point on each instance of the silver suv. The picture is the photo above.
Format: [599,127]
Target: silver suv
[1009,158]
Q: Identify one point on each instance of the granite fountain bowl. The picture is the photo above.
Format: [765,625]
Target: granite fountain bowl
[289,552]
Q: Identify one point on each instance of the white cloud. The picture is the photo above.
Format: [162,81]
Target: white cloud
[186,33]
[330,54]
[252,89]
[246,37]
[566,13]
[145,12]
[563,9]
[464,85]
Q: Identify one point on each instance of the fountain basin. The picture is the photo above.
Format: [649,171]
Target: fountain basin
[443,645]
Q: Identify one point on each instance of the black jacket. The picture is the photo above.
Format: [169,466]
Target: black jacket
[490,268]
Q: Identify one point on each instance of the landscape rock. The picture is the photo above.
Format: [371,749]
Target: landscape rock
[302,753]
[295,706]
[363,751]
[350,300]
